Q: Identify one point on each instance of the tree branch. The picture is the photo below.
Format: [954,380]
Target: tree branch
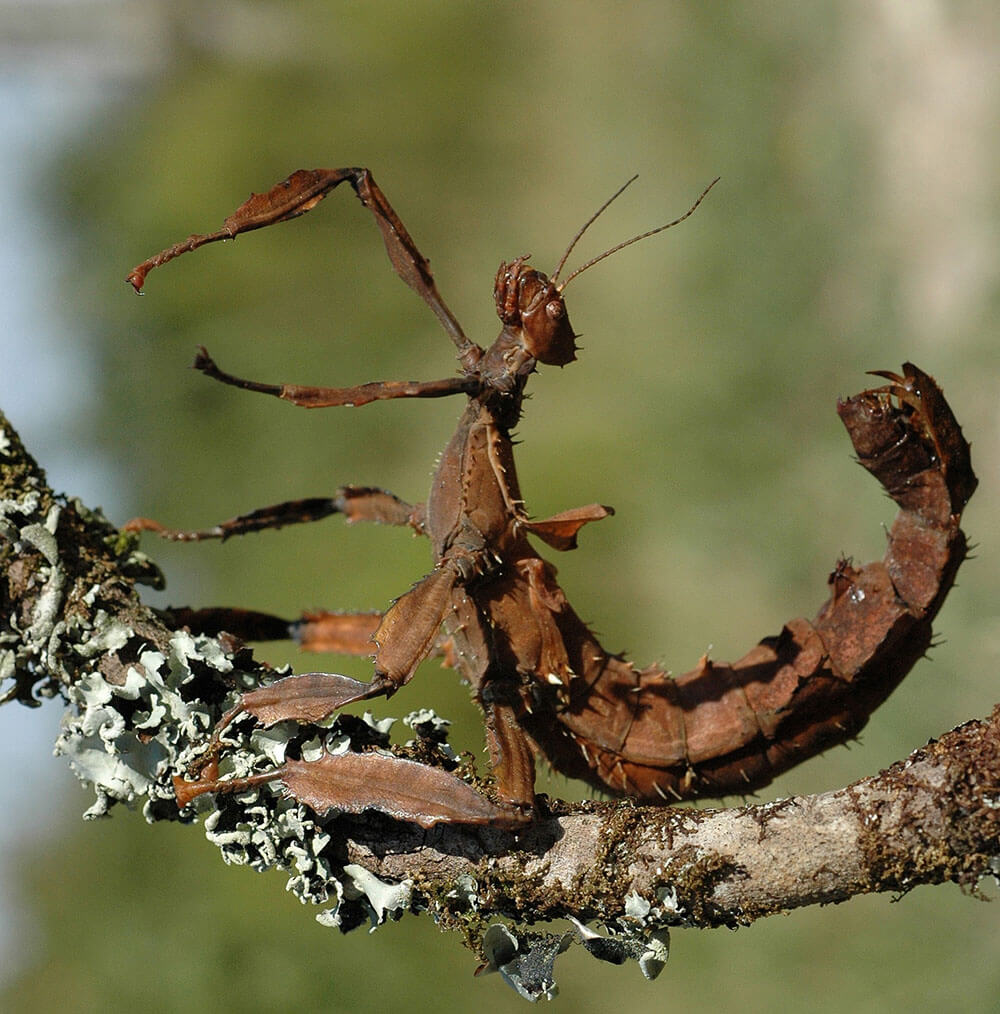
[144,699]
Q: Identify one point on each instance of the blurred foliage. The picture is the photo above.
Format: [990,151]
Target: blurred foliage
[702,407]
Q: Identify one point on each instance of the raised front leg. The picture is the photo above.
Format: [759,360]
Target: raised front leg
[301,192]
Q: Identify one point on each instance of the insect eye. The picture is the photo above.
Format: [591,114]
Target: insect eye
[555,309]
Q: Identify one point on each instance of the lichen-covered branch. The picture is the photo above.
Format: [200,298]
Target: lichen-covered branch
[143,699]
[931,818]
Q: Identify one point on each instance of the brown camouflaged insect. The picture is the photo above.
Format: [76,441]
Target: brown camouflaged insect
[492,606]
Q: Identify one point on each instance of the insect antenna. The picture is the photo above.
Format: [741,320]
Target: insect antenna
[590,221]
[628,242]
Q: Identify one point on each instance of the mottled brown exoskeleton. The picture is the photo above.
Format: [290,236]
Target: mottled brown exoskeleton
[492,606]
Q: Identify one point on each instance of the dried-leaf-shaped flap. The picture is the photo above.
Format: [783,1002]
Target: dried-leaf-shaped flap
[404,789]
[355,782]
[410,626]
[300,193]
[310,697]
[338,633]
[560,530]
[292,197]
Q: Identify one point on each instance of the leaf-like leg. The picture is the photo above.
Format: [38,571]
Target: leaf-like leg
[356,503]
[409,629]
[337,633]
[246,624]
[301,192]
[308,697]
[320,631]
[410,263]
[334,633]
[294,196]
[403,638]
[333,397]
[511,755]
[355,782]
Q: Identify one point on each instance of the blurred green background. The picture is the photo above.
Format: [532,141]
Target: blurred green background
[856,226]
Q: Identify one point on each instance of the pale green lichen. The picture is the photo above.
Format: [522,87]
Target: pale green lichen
[465,894]
[128,740]
[27,642]
[649,948]
[384,897]
[525,960]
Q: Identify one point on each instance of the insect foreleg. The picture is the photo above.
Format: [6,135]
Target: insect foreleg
[334,397]
[410,263]
[301,192]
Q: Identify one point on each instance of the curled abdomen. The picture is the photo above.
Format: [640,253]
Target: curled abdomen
[731,728]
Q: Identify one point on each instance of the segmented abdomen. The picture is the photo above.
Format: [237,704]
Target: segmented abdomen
[731,728]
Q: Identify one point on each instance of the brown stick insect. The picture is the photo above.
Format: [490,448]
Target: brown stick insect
[491,604]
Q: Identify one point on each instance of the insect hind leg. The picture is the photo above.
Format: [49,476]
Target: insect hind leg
[321,631]
[356,503]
